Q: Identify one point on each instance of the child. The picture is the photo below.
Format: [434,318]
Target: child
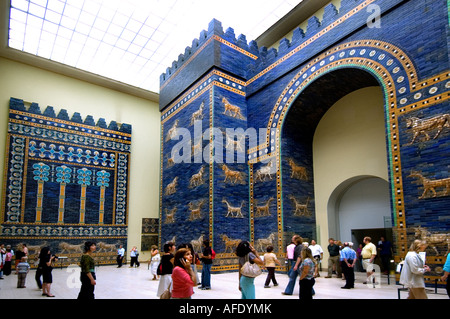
[270,259]
[22,270]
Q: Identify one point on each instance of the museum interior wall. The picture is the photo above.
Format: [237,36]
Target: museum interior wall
[141,165]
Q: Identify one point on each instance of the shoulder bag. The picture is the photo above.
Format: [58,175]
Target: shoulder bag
[249,269]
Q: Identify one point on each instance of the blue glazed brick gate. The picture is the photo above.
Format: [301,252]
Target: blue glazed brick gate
[406,54]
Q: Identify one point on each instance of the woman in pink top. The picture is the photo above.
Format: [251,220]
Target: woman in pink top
[183,277]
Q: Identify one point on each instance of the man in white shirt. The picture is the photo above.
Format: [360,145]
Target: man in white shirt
[317,253]
[120,254]
[290,254]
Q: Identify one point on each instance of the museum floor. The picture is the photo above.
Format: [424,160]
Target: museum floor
[136,283]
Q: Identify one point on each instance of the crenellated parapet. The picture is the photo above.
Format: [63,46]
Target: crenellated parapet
[216,48]
[228,85]
[34,108]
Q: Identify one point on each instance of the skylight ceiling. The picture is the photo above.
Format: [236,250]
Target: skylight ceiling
[131,41]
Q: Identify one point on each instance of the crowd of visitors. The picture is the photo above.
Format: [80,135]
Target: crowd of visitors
[176,266]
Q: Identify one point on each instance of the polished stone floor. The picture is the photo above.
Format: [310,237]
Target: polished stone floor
[136,283]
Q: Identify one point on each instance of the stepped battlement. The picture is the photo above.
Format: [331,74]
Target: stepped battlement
[34,108]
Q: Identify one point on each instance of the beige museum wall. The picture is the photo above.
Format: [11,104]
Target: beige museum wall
[349,141]
[47,88]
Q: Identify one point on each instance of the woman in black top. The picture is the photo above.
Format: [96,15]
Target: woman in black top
[45,262]
[166,267]
[87,275]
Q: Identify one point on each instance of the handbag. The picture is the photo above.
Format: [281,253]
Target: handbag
[166,294]
[250,270]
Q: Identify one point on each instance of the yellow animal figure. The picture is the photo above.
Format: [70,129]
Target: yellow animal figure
[433,240]
[171,133]
[197,179]
[234,211]
[171,188]
[423,126]
[69,248]
[233,110]
[197,243]
[196,210]
[263,210]
[230,244]
[232,176]
[197,115]
[106,247]
[430,185]
[170,215]
[262,243]
[300,209]
[298,172]
[263,172]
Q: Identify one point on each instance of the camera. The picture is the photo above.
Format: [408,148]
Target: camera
[54,257]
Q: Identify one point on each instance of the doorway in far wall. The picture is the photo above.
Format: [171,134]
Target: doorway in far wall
[375,234]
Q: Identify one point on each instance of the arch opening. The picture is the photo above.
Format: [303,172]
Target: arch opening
[334,130]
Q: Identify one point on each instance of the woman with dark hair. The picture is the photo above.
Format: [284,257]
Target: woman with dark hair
[45,262]
[183,277]
[246,252]
[166,267]
[87,275]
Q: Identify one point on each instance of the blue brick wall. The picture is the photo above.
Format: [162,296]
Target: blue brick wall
[407,56]
[65,148]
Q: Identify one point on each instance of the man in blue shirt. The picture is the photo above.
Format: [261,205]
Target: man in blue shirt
[348,260]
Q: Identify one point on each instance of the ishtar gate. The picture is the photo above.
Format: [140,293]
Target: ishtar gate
[341,130]
[252,160]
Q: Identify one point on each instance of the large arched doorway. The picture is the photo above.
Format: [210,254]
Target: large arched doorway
[335,129]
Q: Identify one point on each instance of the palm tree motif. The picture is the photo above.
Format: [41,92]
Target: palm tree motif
[63,174]
[41,173]
[102,182]
[84,179]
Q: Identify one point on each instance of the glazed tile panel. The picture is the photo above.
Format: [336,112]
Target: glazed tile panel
[406,54]
[66,181]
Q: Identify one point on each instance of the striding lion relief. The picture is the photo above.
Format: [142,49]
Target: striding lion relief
[433,239]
